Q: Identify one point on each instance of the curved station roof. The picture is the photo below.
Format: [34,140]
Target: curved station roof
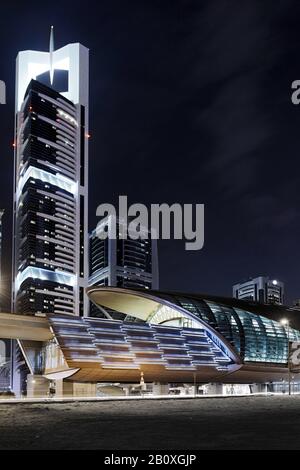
[254,341]
[170,337]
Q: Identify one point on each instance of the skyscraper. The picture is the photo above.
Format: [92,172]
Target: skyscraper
[124,263]
[260,289]
[50,262]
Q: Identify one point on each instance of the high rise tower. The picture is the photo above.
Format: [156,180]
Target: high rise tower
[50,261]
[126,263]
[131,263]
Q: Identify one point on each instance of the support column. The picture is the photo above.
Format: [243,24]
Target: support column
[258,388]
[214,389]
[37,386]
[16,382]
[160,388]
[85,389]
[63,388]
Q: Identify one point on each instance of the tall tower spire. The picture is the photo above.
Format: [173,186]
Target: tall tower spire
[51,50]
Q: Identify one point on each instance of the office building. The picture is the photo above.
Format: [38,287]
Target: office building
[127,263]
[260,289]
[50,245]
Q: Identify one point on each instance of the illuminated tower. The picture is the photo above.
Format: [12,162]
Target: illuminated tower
[50,262]
[131,263]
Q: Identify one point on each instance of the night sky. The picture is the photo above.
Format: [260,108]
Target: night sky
[190,102]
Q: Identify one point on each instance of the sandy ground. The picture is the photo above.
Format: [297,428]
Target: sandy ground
[231,423]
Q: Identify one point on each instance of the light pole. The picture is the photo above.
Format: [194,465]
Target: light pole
[286,323]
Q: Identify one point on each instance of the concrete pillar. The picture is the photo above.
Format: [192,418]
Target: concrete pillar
[160,388]
[37,386]
[84,389]
[214,389]
[16,382]
[258,388]
[126,390]
[63,388]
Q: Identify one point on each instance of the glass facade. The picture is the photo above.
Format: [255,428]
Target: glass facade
[255,338]
[125,263]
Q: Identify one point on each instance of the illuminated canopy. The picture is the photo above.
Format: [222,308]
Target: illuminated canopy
[253,336]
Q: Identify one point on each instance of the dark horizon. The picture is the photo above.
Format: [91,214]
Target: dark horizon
[190,102]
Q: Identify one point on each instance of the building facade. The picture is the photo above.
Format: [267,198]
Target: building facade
[128,263]
[50,255]
[261,289]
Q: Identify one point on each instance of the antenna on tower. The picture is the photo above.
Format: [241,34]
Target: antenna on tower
[51,50]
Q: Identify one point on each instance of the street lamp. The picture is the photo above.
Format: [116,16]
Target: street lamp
[286,322]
